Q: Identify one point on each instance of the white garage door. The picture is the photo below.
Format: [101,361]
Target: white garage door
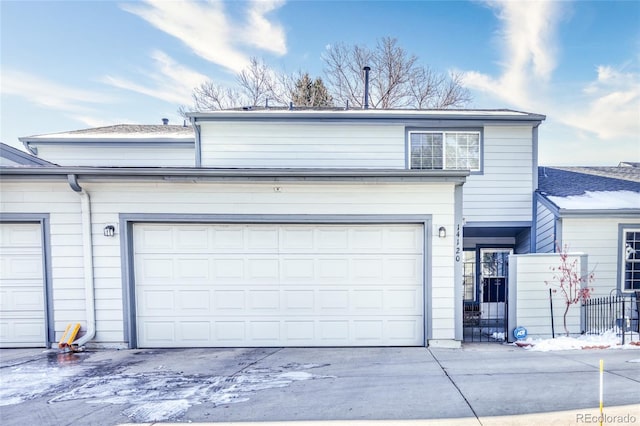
[22,309]
[278,285]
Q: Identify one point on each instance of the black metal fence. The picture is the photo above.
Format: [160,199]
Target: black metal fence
[619,314]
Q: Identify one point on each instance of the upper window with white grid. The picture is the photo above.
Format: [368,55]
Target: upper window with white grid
[445,150]
[631,262]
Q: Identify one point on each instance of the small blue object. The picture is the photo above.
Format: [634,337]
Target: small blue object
[520,333]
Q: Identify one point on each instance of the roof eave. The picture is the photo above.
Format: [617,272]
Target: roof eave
[194,174]
[598,212]
[105,141]
[514,116]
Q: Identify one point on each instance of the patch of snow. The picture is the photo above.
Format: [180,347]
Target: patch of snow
[158,411]
[165,395]
[498,335]
[608,339]
[605,200]
[28,382]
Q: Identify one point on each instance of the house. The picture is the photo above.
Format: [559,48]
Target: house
[594,210]
[269,228]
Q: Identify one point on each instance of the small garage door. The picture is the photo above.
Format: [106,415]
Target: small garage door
[22,308]
[279,285]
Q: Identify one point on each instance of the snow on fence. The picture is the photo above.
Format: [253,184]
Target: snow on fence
[614,313]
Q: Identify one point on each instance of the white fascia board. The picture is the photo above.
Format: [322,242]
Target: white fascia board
[485,115]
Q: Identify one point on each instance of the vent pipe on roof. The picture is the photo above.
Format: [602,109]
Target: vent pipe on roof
[165,121]
[366,86]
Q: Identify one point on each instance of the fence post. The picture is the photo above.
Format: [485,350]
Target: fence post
[623,322]
[553,331]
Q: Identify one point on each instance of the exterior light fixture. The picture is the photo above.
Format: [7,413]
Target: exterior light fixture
[109,231]
[442,232]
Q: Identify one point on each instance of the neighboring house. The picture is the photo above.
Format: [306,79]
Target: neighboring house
[123,145]
[269,228]
[593,210]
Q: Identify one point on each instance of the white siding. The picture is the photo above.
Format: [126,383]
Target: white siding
[117,156]
[504,190]
[545,228]
[282,145]
[110,199]
[527,274]
[598,237]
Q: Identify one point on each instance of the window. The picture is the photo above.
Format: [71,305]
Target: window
[445,150]
[631,259]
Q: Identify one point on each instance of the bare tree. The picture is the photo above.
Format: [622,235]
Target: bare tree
[343,70]
[397,80]
[257,82]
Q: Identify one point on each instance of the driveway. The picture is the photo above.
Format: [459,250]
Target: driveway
[480,381]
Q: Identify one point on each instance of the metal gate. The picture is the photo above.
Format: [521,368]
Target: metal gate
[485,295]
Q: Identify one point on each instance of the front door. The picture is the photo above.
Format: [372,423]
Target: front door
[485,304]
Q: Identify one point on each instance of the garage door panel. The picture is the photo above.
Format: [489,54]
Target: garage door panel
[229,301]
[21,332]
[264,301]
[260,239]
[297,239]
[22,301]
[21,264]
[300,301]
[230,332]
[22,298]
[300,332]
[195,331]
[158,333]
[16,235]
[279,285]
[191,239]
[265,270]
[264,332]
[193,268]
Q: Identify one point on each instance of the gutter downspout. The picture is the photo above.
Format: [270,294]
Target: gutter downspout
[198,143]
[29,148]
[87,246]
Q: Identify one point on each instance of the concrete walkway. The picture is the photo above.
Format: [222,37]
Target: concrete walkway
[478,384]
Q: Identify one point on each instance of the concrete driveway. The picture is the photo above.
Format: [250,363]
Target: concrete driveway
[479,384]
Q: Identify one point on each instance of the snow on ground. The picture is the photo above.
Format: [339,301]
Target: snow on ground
[607,340]
[148,396]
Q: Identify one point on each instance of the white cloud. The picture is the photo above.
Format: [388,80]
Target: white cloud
[600,116]
[610,107]
[208,31]
[528,42]
[172,82]
[49,94]
[262,33]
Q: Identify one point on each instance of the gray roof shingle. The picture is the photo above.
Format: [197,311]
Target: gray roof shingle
[568,181]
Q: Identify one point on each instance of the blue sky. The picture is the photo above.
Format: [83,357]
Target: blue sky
[71,65]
